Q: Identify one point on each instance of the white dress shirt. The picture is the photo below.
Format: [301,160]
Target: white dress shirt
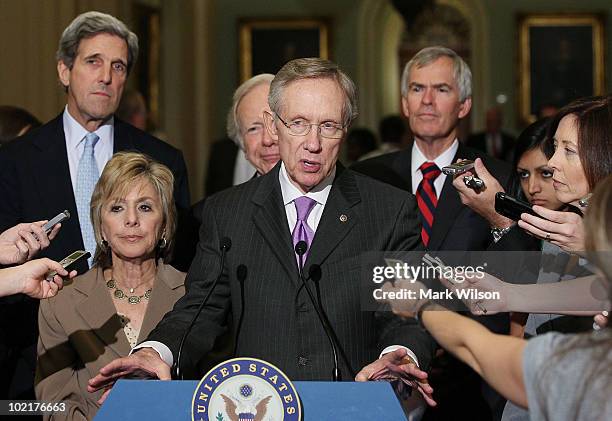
[319,194]
[75,134]
[243,169]
[442,160]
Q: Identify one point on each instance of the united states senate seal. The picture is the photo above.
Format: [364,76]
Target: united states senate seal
[245,389]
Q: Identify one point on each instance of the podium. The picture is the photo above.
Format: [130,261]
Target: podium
[155,400]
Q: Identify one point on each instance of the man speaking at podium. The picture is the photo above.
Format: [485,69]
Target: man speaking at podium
[310,197]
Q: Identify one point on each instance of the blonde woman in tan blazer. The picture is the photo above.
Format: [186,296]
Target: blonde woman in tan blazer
[105,312]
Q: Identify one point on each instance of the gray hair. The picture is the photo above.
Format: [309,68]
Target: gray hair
[233,126]
[89,24]
[462,72]
[314,68]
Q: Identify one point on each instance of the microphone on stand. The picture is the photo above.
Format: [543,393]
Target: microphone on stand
[224,245]
[241,274]
[300,250]
[315,274]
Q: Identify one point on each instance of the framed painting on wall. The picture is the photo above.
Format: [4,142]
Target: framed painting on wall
[148,28]
[561,58]
[265,45]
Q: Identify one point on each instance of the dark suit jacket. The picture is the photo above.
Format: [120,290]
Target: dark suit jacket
[456,227]
[220,174]
[276,321]
[186,238]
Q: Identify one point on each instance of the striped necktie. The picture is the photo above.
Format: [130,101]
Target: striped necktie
[87,177]
[427,199]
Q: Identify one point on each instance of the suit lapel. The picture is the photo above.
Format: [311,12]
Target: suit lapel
[402,165]
[99,313]
[449,206]
[55,185]
[271,221]
[166,291]
[339,216]
[122,141]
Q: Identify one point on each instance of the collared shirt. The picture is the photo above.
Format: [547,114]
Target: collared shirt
[442,160]
[243,169]
[319,193]
[75,134]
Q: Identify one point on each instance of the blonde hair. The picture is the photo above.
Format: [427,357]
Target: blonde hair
[122,172]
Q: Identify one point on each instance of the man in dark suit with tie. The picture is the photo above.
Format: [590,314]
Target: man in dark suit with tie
[308,196]
[56,166]
[436,93]
[40,174]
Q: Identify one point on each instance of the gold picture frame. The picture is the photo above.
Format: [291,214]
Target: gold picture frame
[561,58]
[266,44]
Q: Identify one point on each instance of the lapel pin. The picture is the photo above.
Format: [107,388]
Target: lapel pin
[343,218]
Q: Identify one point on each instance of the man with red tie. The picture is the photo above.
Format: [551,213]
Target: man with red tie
[436,94]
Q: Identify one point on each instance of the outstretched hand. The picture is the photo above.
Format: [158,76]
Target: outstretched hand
[397,365]
[143,364]
[482,283]
[482,201]
[32,279]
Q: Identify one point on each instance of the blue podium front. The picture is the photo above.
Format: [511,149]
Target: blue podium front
[171,400]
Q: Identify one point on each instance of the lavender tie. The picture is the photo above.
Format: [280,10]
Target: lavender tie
[302,232]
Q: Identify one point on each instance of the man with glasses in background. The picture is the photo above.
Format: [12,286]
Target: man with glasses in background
[308,196]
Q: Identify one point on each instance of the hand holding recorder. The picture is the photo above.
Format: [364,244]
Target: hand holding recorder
[23,241]
[33,279]
[481,201]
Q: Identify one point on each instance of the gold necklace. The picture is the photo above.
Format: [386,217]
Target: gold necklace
[132,299]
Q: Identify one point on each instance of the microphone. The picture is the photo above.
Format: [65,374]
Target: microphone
[241,274]
[300,250]
[315,274]
[224,245]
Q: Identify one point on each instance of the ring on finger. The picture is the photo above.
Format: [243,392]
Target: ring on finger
[547,236]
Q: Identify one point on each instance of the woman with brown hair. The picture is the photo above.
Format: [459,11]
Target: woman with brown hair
[581,134]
